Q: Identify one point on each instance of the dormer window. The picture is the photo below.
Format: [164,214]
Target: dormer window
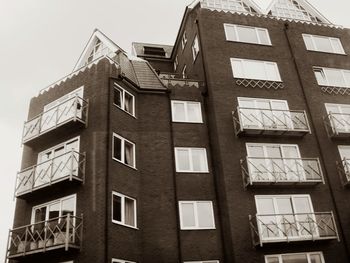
[99,49]
[154,51]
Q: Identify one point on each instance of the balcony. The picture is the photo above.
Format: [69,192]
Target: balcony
[70,113]
[275,228]
[171,79]
[60,233]
[281,171]
[252,121]
[66,167]
[343,168]
[338,125]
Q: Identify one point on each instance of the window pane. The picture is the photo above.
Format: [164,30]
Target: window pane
[347,78]
[264,36]
[54,210]
[315,258]
[129,212]
[194,112]
[308,42]
[117,148]
[320,76]
[265,206]
[178,111]
[129,154]
[337,46]
[255,70]
[323,44]
[247,34]
[117,208]
[272,260]
[68,206]
[187,213]
[117,97]
[237,68]
[129,103]
[205,215]
[40,214]
[183,160]
[299,258]
[230,33]
[335,77]
[199,160]
[272,71]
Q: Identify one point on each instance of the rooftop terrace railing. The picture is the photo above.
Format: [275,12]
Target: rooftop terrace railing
[68,166]
[343,169]
[172,79]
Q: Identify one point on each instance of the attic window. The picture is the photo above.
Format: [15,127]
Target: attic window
[154,51]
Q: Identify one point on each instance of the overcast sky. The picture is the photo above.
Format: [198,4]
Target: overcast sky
[41,40]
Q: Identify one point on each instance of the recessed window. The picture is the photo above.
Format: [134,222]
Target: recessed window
[323,44]
[183,40]
[123,210]
[154,51]
[255,69]
[247,34]
[186,111]
[196,215]
[332,77]
[123,99]
[191,160]
[176,63]
[184,72]
[312,257]
[195,47]
[123,150]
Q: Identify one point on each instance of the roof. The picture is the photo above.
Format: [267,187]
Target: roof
[138,49]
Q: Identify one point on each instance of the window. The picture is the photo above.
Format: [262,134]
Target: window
[123,99]
[123,150]
[207,261]
[121,261]
[191,160]
[176,63]
[183,40]
[285,216]
[332,77]
[195,47]
[255,69]
[344,151]
[339,117]
[186,111]
[184,72]
[312,257]
[196,215]
[123,210]
[99,49]
[323,44]
[154,51]
[55,209]
[247,34]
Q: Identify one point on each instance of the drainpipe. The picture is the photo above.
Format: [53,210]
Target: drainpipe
[322,157]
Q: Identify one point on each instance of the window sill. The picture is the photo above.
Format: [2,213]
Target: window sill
[193,228]
[125,111]
[325,52]
[249,43]
[121,224]
[188,122]
[193,172]
[132,167]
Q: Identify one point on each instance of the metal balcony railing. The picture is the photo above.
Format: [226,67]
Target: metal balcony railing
[64,232]
[172,79]
[343,168]
[281,171]
[270,122]
[68,166]
[337,124]
[74,109]
[274,228]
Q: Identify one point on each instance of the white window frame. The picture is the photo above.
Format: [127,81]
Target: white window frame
[235,27]
[322,71]
[308,255]
[183,41]
[195,48]
[206,261]
[314,47]
[115,260]
[196,218]
[340,114]
[185,103]
[122,222]
[122,99]
[64,144]
[265,63]
[176,62]
[189,149]
[59,200]
[123,140]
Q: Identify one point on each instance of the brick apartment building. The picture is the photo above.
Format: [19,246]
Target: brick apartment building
[233,145]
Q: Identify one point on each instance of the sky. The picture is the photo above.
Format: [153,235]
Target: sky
[41,40]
